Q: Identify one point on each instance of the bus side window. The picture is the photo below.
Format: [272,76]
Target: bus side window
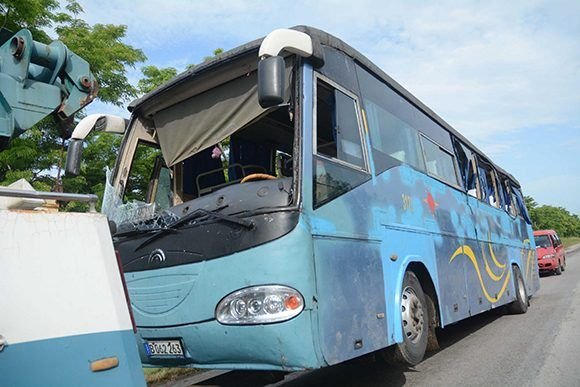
[392,122]
[439,161]
[516,211]
[488,183]
[467,168]
[142,167]
[337,130]
[501,202]
[339,163]
[510,203]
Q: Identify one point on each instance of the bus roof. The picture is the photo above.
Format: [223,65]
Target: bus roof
[318,37]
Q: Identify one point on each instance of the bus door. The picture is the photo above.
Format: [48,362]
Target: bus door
[349,274]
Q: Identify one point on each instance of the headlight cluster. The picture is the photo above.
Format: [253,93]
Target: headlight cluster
[548,256]
[259,305]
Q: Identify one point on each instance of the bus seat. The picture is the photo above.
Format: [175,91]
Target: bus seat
[249,153]
[198,164]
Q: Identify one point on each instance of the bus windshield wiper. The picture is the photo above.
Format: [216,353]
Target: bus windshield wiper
[200,215]
[249,224]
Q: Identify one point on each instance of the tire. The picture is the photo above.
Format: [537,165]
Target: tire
[520,305]
[564,264]
[559,269]
[415,324]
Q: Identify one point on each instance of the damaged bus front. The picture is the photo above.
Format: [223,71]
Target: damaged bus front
[205,201]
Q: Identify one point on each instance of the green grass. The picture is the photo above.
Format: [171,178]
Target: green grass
[570,241]
[160,375]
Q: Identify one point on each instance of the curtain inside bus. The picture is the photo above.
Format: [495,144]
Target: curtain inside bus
[204,120]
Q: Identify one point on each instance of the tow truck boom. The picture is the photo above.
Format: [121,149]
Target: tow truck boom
[37,80]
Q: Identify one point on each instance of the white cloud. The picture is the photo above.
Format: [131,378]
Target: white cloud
[495,70]
[485,67]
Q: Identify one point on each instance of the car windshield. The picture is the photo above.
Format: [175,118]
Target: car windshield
[542,241]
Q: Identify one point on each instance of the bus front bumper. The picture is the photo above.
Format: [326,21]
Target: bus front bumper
[285,346]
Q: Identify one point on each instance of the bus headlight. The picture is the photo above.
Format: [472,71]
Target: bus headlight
[259,305]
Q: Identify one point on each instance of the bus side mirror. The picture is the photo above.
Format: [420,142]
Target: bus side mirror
[73,158]
[93,122]
[271,73]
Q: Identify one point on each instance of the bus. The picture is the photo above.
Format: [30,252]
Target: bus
[287,205]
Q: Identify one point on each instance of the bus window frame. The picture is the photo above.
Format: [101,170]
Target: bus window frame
[473,163]
[153,189]
[512,206]
[136,133]
[357,106]
[487,164]
[144,142]
[498,198]
[422,137]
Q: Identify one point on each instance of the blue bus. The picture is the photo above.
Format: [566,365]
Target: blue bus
[287,205]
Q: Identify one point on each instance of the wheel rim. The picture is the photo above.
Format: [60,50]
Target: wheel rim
[521,289]
[412,315]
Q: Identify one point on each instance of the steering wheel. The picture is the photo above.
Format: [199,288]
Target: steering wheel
[257,176]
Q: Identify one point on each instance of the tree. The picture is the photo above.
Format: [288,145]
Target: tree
[530,203]
[34,15]
[553,218]
[101,46]
[154,77]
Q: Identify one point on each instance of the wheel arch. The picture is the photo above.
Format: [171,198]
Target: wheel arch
[429,289]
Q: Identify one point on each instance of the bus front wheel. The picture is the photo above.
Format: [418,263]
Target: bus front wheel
[415,324]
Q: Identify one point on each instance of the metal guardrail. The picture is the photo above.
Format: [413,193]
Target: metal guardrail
[63,197]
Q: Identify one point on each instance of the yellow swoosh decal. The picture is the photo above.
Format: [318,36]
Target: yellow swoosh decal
[490,273]
[468,252]
[493,257]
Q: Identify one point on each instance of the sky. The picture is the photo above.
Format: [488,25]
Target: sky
[504,74]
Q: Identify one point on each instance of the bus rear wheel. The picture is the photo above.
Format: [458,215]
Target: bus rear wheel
[520,305]
[415,324]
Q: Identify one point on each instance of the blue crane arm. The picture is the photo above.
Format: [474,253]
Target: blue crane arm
[37,80]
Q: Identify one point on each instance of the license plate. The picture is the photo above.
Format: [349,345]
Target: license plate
[164,348]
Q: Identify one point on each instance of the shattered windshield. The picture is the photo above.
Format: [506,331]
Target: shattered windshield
[155,195]
[136,212]
[216,141]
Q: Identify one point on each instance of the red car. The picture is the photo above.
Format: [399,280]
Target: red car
[551,256]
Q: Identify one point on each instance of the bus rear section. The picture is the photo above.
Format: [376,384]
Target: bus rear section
[65,320]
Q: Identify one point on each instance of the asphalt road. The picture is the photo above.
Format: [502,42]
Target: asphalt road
[539,348]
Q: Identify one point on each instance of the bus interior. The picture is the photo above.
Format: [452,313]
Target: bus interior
[251,169]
